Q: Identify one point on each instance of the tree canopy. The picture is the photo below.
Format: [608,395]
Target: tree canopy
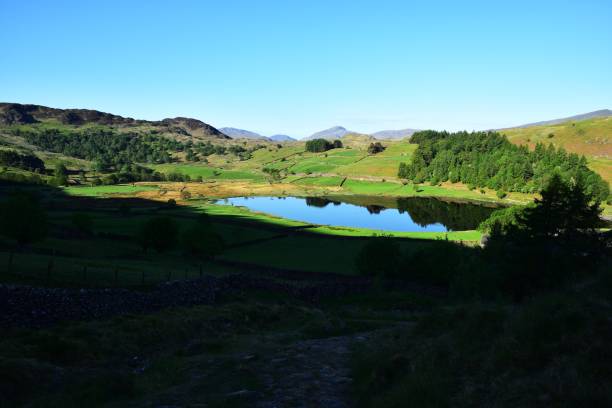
[488,159]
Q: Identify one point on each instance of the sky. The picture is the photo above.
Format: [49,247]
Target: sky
[296,67]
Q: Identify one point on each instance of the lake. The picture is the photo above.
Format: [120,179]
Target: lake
[415,214]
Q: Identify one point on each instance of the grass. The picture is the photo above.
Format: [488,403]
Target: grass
[590,138]
[541,352]
[141,360]
[96,191]
[206,172]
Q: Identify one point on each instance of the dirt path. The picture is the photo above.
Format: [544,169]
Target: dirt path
[310,373]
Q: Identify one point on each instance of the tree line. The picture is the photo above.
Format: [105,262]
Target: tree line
[112,150]
[322,145]
[488,159]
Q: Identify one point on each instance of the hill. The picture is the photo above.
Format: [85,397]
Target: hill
[602,113]
[393,134]
[282,138]
[589,137]
[235,133]
[180,127]
[335,132]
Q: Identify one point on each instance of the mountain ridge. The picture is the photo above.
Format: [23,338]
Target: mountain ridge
[589,115]
[19,114]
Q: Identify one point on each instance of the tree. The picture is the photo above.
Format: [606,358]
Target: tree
[546,244]
[159,233]
[322,145]
[375,148]
[200,239]
[22,219]
[60,175]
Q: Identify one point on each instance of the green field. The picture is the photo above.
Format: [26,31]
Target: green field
[193,171]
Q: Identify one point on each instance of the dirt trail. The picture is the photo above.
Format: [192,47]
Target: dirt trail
[310,373]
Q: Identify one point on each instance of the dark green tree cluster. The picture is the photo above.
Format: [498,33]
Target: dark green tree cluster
[322,145]
[107,147]
[549,242]
[375,148]
[488,159]
[11,158]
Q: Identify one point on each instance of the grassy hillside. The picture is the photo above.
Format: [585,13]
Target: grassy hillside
[591,138]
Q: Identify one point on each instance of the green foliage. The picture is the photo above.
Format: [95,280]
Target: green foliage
[29,162]
[544,245]
[274,175]
[322,145]
[60,175]
[375,148]
[22,219]
[159,233]
[107,146]
[488,159]
[502,218]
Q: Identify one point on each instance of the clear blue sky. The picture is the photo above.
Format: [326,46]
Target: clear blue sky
[296,67]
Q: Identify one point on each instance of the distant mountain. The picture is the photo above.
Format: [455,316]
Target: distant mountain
[335,132]
[241,133]
[16,114]
[595,114]
[282,138]
[393,134]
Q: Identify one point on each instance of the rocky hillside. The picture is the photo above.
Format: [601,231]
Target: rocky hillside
[18,114]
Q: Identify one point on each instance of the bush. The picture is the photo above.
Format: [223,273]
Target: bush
[501,194]
[375,148]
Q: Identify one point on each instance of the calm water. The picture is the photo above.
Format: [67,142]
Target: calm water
[388,214]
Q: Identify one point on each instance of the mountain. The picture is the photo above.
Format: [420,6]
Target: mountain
[335,132]
[595,114]
[282,138]
[235,133]
[394,134]
[589,137]
[18,114]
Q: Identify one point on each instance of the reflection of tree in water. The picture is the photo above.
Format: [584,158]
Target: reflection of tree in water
[320,202]
[454,216]
[375,209]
